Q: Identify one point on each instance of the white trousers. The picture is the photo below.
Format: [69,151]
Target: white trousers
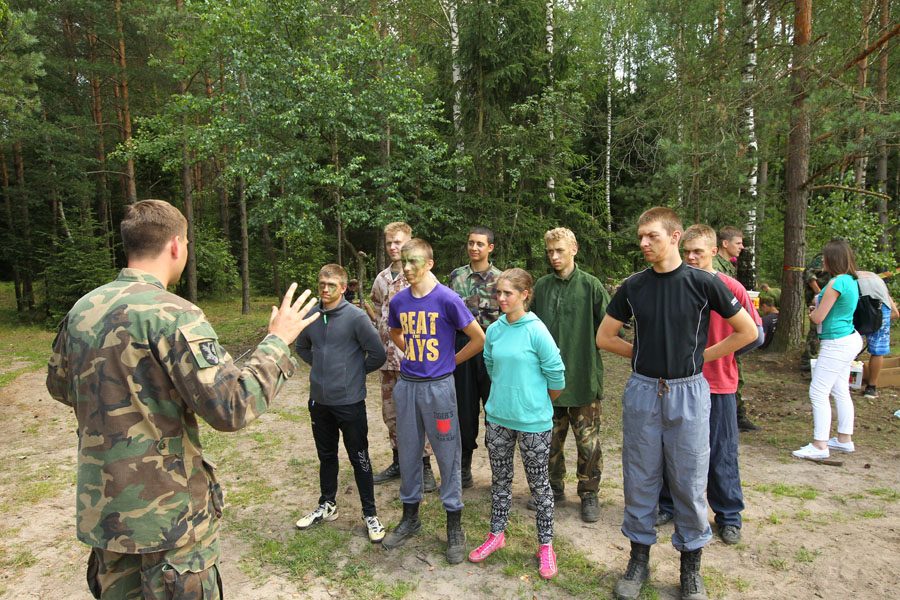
[832,375]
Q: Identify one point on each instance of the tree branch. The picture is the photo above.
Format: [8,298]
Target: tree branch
[850,189]
[878,43]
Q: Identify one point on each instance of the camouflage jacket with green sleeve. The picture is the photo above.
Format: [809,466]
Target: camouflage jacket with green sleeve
[138,365]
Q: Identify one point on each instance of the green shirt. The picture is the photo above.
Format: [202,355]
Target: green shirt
[572,309]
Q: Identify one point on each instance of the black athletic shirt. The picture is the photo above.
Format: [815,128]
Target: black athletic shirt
[671,314]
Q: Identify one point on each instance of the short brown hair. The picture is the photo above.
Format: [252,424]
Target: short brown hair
[560,234]
[148,226]
[838,258]
[520,279]
[728,233]
[700,231]
[666,217]
[392,228]
[418,245]
[334,270]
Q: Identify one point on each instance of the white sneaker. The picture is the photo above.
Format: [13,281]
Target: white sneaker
[375,528]
[325,512]
[847,447]
[811,452]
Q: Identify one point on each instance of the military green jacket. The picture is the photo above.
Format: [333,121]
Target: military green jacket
[723,265]
[572,309]
[138,365]
[477,289]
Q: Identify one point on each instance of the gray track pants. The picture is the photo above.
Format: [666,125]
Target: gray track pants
[665,425]
[428,408]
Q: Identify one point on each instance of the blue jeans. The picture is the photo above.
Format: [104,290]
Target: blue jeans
[723,488]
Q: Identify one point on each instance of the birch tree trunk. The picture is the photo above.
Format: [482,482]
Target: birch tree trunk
[450,13]
[551,182]
[790,325]
[610,67]
[862,69]
[748,81]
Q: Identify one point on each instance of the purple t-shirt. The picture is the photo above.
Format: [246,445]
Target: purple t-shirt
[429,327]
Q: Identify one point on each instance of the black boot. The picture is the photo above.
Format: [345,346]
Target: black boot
[428,482]
[409,526]
[392,472]
[467,480]
[692,587]
[629,585]
[456,538]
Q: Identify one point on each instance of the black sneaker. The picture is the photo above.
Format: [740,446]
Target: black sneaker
[730,534]
[392,472]
[663,517]
[428,482]
[590,508]
[870,392]
[745,425]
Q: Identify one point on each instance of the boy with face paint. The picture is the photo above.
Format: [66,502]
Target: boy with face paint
[423,321]
[666,402]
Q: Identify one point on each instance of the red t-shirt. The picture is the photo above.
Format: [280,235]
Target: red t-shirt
[722,374]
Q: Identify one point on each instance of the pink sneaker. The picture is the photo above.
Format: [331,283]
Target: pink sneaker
[494,542]
[547,558]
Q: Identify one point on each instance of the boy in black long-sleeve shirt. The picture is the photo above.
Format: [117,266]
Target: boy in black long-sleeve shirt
[342,349]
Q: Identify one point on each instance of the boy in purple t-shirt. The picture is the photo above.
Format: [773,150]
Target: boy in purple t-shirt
[423,320]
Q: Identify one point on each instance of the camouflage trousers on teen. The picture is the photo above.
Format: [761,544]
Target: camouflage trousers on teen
[389,409]
[186,573]
[585,424]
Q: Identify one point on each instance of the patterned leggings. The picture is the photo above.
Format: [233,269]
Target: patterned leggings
[535,450]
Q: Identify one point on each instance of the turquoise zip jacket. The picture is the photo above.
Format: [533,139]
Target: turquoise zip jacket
[523,362]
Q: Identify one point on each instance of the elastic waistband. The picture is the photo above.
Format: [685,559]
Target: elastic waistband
[414,379]
[656,380]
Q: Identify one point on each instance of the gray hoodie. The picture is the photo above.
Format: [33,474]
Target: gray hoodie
[342,346]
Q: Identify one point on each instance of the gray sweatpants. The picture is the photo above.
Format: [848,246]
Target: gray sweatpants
[665,425]
[428,408]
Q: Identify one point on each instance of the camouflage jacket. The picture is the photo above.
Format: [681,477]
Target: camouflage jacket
[383,289]
[138,364]
[477,291]
[724,265]
[815,270]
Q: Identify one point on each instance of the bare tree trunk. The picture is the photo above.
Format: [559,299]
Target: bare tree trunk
[790,324]
[862,69]
[450,13]
[336,195]
[610,67]
[273,258]
[187,190]
[551,182]
[102,207]
[24,228]
[881,167]
[130,185]
[10,246]
[245,249]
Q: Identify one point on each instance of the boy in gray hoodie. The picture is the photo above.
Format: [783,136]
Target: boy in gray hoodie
[341,350]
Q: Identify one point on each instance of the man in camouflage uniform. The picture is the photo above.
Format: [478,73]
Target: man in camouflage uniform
[571,303]
[138,365]
[814,279]
[385,286]
[475,283]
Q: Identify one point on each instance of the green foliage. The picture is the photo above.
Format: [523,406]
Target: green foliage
[217,270]
[75,266]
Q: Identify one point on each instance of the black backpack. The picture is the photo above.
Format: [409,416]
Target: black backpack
[867,316]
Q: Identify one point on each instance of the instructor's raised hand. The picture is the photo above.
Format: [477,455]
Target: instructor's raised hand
[289,319]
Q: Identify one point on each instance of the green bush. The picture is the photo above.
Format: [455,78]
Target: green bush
[75,267]
[217,270]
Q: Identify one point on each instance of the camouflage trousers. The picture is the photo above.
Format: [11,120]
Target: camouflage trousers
[585,423]
[186,573]
[389,409]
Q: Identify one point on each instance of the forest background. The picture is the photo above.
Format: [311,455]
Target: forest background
[290,131]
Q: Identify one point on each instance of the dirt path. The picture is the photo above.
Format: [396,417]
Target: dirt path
[810,531]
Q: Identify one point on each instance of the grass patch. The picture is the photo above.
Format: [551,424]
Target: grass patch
[872,513]
[21,559]
[24,346]
[292,416]
[779,564]
[804,555]
[249,492]
[234,329]
[887,494]
[803,492]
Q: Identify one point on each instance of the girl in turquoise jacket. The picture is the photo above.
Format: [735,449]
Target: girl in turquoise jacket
[526,372]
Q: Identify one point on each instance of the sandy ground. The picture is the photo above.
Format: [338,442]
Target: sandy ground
[842,543]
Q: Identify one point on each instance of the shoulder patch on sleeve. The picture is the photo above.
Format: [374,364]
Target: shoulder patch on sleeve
[203,342]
